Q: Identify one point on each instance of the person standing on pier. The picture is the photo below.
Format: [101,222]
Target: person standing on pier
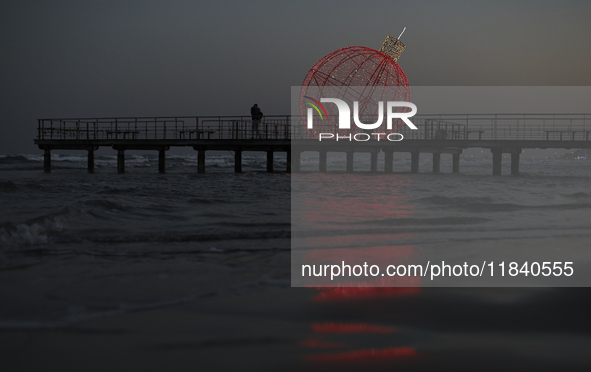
[257,115]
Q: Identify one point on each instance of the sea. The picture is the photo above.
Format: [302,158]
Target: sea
[178,228]
[76,246]
[488,223]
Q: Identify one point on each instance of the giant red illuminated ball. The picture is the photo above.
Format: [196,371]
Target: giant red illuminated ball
[353,72]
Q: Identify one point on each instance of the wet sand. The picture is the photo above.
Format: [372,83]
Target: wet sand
[293,329]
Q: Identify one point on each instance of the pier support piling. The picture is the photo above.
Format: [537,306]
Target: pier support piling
[414,162]
[322,161]
[295,162]
[288,161]
[120,161]
[374,161]
[91,160]
[497,155]
[270,161]
[515,163]
[238,161]
[455,163]
[201,161]
[436,162]
[47,161]
[349,161]
[388,161]
[161,161]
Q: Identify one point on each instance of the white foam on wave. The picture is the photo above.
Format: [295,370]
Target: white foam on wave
[29,234]
[31,157]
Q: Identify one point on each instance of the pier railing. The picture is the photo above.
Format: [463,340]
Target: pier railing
[162,128]
[488,127]
[460,127]
[503,127]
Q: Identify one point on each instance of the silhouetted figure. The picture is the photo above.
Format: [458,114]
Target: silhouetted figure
[257,115]
[441,134]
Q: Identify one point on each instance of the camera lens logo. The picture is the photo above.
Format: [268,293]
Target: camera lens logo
[315,104]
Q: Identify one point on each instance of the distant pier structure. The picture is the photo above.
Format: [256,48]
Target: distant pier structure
[437,135]
[203,133]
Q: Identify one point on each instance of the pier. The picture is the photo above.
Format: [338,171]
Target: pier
[437,135]
[203,133]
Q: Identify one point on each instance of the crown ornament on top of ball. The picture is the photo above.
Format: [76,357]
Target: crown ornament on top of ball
[393,46]
[355,73]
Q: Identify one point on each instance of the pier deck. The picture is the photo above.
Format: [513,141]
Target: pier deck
[437,134]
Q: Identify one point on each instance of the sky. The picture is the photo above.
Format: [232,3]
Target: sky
[176,57]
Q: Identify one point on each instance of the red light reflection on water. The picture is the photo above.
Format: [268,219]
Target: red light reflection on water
[352,329]
[352,211]
[369,211]
[361,254]
[347,330]
[315,343]
[355,239]
[340,293]
[357,202]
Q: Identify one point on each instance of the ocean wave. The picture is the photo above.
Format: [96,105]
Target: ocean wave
[184,237]
[118,191]
[487,205]
[79,314]
[13,159]
[21,162]
[60,224]
[578,195]
[82,211]
[11,186]
[106,205]
[447,220]
[58,230]
[31,233]
[207,201]
[472,204]
[460,200]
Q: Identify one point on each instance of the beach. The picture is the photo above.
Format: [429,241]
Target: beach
[273,329]
[186,271]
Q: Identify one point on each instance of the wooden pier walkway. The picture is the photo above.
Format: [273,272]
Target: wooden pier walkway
[437,134]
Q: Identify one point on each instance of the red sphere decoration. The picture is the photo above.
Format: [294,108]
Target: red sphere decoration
[353,72]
